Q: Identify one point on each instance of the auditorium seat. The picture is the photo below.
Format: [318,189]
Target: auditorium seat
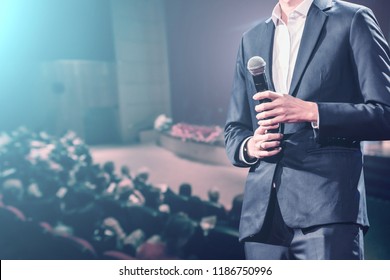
[211,209]
[37,241]
[11,234]
[116,255]
[12,213]
[112,208]
[223,244]
[68,247]
[147,219]
[192,206]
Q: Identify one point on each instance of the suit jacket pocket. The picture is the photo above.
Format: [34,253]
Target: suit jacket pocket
[333,149]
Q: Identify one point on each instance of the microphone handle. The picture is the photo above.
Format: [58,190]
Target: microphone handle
[261,84]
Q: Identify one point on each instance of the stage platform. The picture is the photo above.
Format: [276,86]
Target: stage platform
[200,152]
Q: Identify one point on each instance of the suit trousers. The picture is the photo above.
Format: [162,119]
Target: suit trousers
[277,241]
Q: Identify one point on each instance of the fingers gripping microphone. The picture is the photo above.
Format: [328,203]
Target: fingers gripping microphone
[256,66]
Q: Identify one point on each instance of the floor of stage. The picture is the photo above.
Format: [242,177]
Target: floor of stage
[166,167]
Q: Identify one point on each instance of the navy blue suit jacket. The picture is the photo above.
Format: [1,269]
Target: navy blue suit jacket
[342,65]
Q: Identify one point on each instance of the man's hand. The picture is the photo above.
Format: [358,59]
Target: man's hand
[284,108]
[264,144]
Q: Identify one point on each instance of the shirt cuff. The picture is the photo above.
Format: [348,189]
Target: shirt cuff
[241,154]
[316,125]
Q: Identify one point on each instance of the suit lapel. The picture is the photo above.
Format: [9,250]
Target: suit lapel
[315,21]
[268,49]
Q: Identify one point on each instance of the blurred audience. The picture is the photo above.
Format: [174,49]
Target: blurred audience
[71,208]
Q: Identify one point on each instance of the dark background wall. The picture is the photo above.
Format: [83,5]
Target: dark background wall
[203,38]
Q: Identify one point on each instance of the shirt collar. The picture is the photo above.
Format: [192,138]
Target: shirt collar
[302,9]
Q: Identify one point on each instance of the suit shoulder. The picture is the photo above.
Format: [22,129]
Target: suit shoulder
[343,14]
[348,9]
[256,30]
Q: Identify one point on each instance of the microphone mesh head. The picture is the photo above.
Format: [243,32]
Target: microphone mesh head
[256,65]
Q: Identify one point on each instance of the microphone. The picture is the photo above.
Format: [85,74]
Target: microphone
[256,66]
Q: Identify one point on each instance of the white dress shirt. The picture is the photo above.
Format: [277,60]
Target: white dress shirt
[287,40]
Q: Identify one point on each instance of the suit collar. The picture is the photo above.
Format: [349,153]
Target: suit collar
[302,9]
[323,4]
[315,20]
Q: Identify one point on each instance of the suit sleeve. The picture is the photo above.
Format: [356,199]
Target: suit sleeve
[369,120]
[239,124]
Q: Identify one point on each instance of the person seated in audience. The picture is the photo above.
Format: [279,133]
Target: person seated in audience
[213,207]
[184,202]
[114,226]
[125,172]
[171,243]
[13,192]
[235,212]
[152,194]
[101,181]
[164,209]
[109,169]
[82,179]
[82,214]
[213,195]
[185,189]
[127,243]
[141,179]
[153,198]
[195,204]
[133,241]
[127,194]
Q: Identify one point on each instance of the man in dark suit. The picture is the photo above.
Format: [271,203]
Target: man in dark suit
[328,71]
